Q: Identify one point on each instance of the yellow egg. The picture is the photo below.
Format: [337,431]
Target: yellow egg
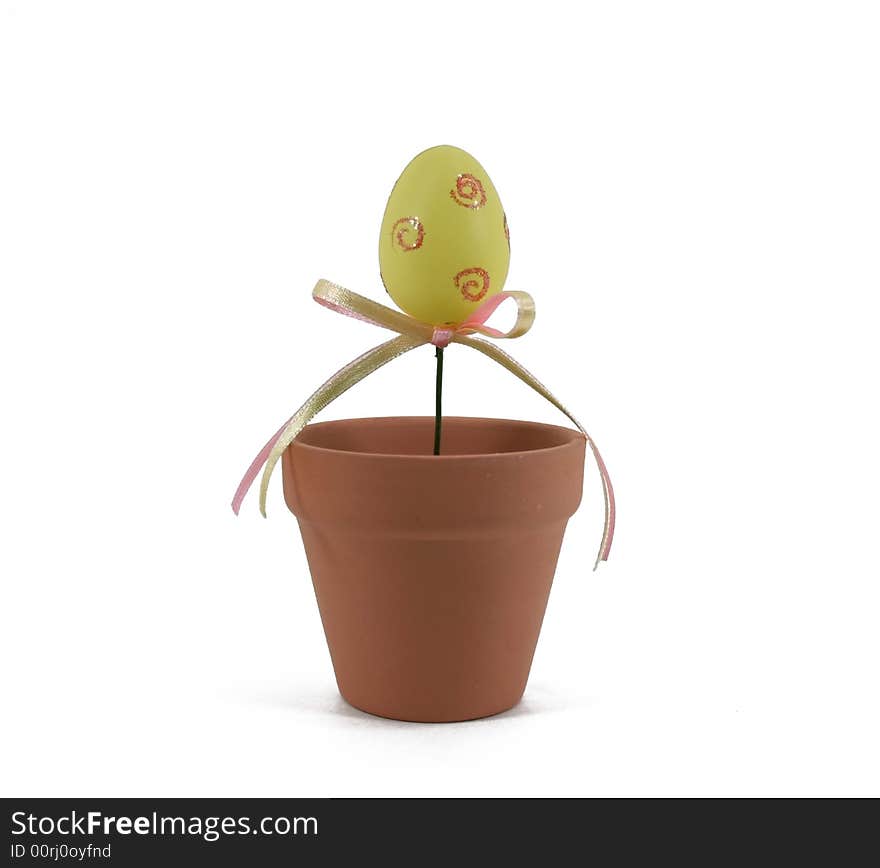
[444,246]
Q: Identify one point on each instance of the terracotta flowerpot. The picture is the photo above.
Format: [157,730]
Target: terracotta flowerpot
[432,573]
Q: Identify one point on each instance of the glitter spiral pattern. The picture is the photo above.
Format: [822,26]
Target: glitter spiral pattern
[408,233]
[468,192]
[472,283]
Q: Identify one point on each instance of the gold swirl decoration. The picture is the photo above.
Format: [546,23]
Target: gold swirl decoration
[472,283]
[408,233]
[468,192]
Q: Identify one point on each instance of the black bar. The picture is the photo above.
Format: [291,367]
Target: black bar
[264,832]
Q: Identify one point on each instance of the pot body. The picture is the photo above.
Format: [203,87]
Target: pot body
[432,573]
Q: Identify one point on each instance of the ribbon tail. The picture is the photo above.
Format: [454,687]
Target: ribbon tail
[340,382]
[248,479]
[519,371]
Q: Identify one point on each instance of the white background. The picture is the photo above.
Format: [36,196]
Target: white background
[692,191]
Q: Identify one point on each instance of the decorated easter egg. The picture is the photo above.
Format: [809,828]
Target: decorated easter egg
[444,246]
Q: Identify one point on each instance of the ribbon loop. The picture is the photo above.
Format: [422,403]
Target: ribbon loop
[412,334]
[525,316]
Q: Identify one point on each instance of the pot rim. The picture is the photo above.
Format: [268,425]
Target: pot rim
[573,437]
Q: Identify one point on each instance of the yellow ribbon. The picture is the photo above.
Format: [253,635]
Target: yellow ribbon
[412,334]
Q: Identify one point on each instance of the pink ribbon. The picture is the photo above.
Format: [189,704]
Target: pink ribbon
[476,322]
[248,479]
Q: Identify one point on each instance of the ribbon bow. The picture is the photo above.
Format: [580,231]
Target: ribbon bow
[412,334]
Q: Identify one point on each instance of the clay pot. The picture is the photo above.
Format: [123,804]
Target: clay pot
[432,573]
